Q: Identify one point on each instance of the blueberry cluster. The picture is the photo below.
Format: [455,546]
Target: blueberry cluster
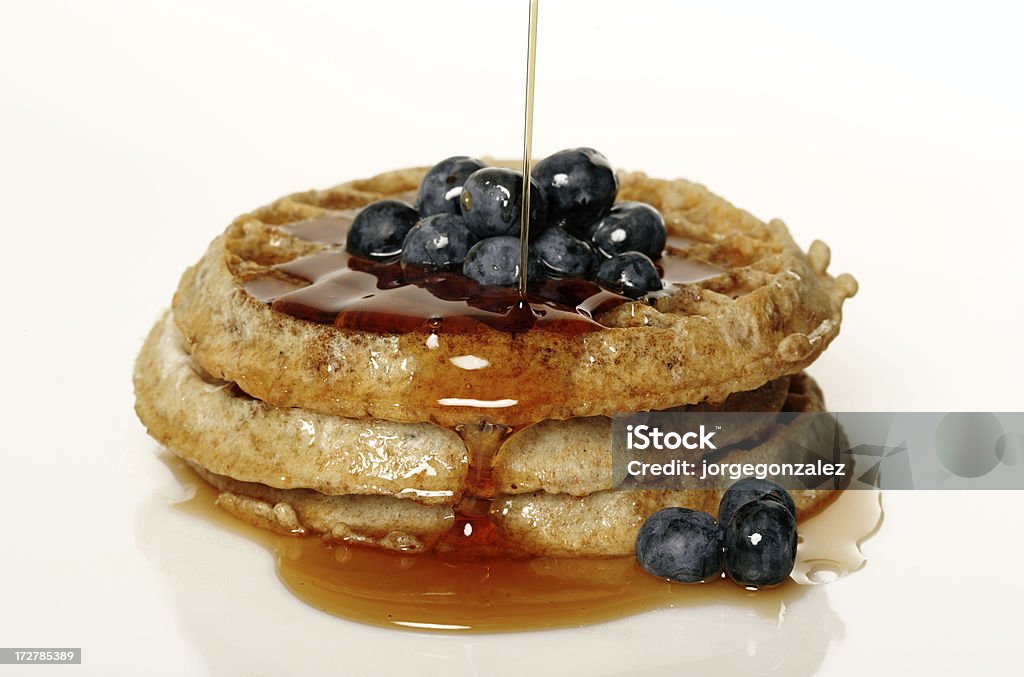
[756,546]
[467,219]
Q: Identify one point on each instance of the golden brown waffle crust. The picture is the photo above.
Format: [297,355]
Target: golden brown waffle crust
[771,314]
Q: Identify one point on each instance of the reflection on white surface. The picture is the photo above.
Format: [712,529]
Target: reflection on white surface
[245,622]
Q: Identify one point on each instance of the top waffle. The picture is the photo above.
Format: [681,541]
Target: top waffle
[771,312]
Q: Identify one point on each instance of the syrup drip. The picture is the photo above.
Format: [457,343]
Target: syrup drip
[456,592]
[482,442]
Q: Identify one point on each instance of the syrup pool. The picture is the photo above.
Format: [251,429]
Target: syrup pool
[431,592]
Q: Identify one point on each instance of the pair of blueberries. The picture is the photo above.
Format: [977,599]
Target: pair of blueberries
[754,538]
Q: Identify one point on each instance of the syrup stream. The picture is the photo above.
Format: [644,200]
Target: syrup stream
[524,213]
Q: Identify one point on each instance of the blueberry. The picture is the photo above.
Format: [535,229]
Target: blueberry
[438,241]
[496,261]
[760,543]
[563,255]
[491,201]
[631,274]
[580,185]
[751,489]
[630,226]
[680,544]
[442,185]
[379,229]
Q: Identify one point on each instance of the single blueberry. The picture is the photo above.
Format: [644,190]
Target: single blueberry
[680,544]
[751,489]
[491,202]
[580,186]
[630,274]
[562,254]
[438,241]
[379,229]
[630,227]
[442,185]
[760,544]
[495,261]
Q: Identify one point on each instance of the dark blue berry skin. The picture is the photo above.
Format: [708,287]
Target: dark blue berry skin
[681,545]
[379,229]
[495,261]
[442,185]
[580,185]
[491,201]
[631,274]
[630,227]
[563,255]
[439,241]
[760,544]
[751,489]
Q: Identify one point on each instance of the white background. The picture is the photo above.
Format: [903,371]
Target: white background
[132,132]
